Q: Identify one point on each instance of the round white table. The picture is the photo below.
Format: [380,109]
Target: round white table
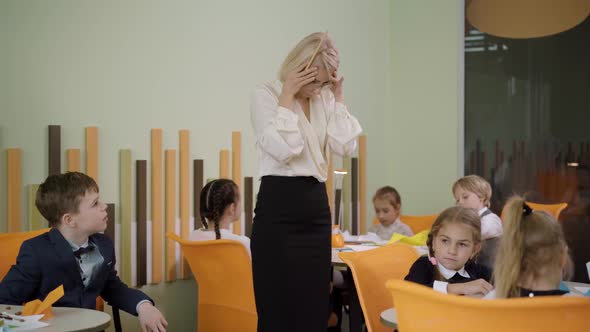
[389,316]
[69,319]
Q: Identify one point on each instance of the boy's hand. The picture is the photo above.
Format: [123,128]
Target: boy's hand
[151,319]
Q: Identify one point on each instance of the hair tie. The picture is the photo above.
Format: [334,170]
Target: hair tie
[433,260]
[526,209]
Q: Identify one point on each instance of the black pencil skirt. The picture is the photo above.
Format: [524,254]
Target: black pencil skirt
[290,247]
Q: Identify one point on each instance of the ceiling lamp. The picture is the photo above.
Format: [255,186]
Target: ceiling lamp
[526,18]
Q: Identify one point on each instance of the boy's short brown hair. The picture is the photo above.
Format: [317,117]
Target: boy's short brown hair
[61,194]
[477,185]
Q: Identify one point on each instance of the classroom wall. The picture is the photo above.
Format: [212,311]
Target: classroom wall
[129,66]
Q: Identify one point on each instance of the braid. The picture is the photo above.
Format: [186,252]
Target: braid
[217,231]
[215,198]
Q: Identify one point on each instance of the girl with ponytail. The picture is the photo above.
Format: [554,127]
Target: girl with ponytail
[220,206]
[532,255]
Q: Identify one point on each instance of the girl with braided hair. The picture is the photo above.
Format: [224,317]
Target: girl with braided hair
[220,206]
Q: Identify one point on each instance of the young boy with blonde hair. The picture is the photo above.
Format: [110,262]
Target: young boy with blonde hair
[474,192]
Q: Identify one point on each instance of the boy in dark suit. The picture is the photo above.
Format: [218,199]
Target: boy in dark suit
[74,253]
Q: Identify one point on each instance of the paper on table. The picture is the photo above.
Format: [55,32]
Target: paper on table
[360,247]
[582,290]
[369,237]
[22,323]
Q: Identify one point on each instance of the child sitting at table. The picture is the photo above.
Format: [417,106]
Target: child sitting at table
[75,254]
[388,204]
[532,256]
[453,241]
[474,192]
[220,207]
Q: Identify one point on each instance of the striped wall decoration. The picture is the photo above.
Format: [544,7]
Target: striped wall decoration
[125,210]
[236,162]
[156,240]
[14,191]
[184,190]
[363,183]
[73,160]
[346,188]
[92,152]
[110,231]
[354,191]
[141,217]
[224,164]
[54,166]
[198,184]
[170,212]
[36,220]
[248,204]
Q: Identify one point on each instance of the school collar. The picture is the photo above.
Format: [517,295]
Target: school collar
[448,273]
[482,211]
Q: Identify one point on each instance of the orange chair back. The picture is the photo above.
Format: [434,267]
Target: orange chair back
[10,245]
[553,209]
[370,270]
[223,272]
[416,223]
[419,223]
[420,308]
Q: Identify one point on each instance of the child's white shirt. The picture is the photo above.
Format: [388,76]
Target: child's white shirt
[491,224]
[441,286]
[203,235]
[386,232]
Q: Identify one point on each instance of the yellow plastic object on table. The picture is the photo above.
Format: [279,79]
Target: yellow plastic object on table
[418,239]
[36,307]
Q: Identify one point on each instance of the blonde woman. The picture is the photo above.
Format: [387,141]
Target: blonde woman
[298,119]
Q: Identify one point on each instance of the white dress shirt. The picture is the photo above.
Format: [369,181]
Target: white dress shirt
[441,286]
[290,145]
[491,225]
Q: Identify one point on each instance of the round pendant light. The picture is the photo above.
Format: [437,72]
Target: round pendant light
[526,18]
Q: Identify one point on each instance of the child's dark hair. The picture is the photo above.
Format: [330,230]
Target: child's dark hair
[61,194]
[216,196]
[458,215]
[389,193]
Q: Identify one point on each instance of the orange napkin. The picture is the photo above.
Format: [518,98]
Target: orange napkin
[37,307]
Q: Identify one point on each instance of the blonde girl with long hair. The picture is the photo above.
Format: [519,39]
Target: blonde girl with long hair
[532,257]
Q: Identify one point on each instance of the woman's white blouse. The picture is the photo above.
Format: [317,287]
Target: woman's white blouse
[288,144]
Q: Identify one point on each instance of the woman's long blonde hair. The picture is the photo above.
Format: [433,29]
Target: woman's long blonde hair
[532,244]
[327,54]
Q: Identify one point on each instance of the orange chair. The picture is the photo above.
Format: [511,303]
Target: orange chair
[420,308]
[416,223]
[10,244]
[553,209]
[223,272]
[370,269]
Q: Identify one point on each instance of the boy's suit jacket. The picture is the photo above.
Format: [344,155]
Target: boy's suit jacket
[47,261]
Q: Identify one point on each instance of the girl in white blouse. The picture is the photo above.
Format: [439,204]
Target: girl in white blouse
[298,121]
